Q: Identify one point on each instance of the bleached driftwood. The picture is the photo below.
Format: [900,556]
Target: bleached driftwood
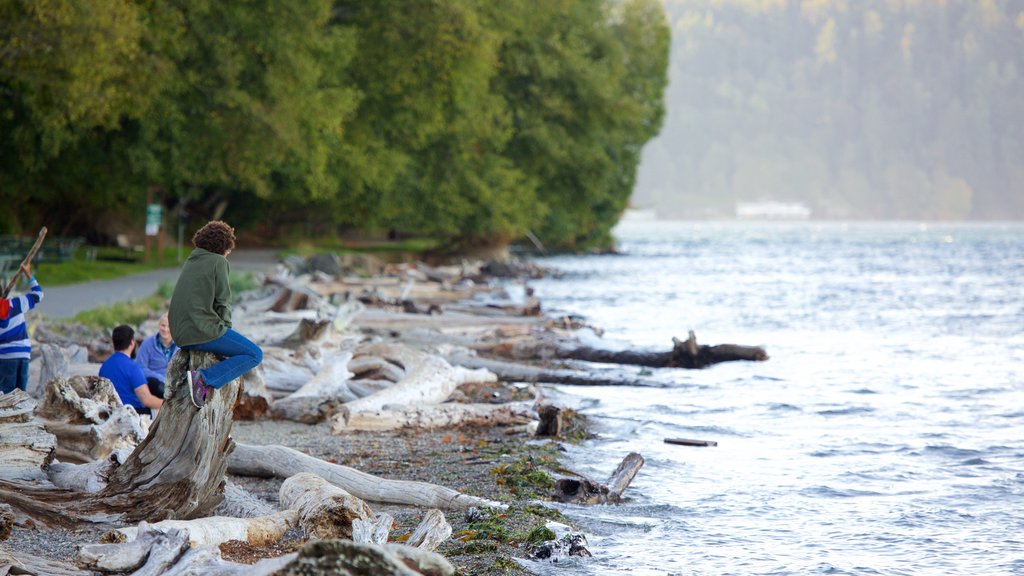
[520,372]
[372,530]
[90,477]
[586,491]
[152,552]
[421,560]
[7,519]
[324,510]
[437,416]
[433,530]
[684,353]
[25,446]
[240,503]
[176,472]
[282,462]
[214,530]
[428,379]
[285,371]
[320,396]
[88,418]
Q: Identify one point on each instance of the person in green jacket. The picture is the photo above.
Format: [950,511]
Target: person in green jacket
[200,313]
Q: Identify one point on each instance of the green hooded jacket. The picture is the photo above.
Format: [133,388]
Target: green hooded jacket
[201,304]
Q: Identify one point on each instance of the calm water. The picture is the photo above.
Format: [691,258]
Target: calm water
[884,436]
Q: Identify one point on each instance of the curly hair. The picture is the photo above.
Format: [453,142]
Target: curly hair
[216,237]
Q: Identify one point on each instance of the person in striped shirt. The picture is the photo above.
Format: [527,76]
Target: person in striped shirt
[15,347]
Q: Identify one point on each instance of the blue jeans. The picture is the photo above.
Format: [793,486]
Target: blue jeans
[13,374]
[240,355]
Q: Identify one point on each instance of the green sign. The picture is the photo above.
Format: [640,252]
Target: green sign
[154,215]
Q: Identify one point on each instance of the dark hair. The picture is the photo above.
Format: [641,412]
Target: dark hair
[216,237]
[122,337]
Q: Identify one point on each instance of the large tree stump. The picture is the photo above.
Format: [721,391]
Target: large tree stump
[177,472]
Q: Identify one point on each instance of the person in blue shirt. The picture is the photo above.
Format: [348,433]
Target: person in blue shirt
[15,346]
[127,377]
[154,354]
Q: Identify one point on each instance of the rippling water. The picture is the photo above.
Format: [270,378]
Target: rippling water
[884,436]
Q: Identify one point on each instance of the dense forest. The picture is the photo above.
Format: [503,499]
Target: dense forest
[909,109]
[474,122]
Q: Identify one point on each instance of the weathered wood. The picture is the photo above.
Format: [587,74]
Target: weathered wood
[31,254]
[684,353]
[90,477]
[372,530]
[425,562]
[254,399]
[623,475]
[689,442]
[433,530]
[519,372]
[54,362]
[88,418]
[446,415]
[214,530]
[176,472]
[346,558]
[282,462]
[325,510]
[586,491]
[321,396]
[550,421]
[240,503]
[428,379]
[26,448]
[7,519]
[164,545]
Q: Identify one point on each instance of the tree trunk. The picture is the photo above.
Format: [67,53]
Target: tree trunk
[25,446]
[215,530]
[518,372]
[176,472]
[325,510]
[282,462]
[438,416]
[684,354]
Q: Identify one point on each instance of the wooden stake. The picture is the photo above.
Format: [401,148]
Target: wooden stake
[688,442]
[31,255]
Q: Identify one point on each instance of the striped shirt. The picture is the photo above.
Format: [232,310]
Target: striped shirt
[14,342]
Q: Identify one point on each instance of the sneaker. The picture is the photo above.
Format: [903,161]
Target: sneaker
[199,392]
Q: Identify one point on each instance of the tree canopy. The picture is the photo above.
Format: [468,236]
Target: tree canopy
[473,122]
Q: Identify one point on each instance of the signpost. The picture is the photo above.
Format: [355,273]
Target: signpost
[154,221]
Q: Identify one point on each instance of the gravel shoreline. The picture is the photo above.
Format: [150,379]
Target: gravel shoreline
[472,460]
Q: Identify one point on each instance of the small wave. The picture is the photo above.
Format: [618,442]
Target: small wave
[783,407]
[847,411]
[975,462]
[863,391]
[829,492]
[947,450]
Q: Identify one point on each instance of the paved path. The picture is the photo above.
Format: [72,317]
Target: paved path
[66,301]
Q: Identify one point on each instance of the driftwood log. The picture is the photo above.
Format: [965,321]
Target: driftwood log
[684,353]
[282,462]
[325,510]
[586,491]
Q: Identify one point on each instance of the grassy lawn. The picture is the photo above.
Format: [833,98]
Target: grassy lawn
[106,266]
